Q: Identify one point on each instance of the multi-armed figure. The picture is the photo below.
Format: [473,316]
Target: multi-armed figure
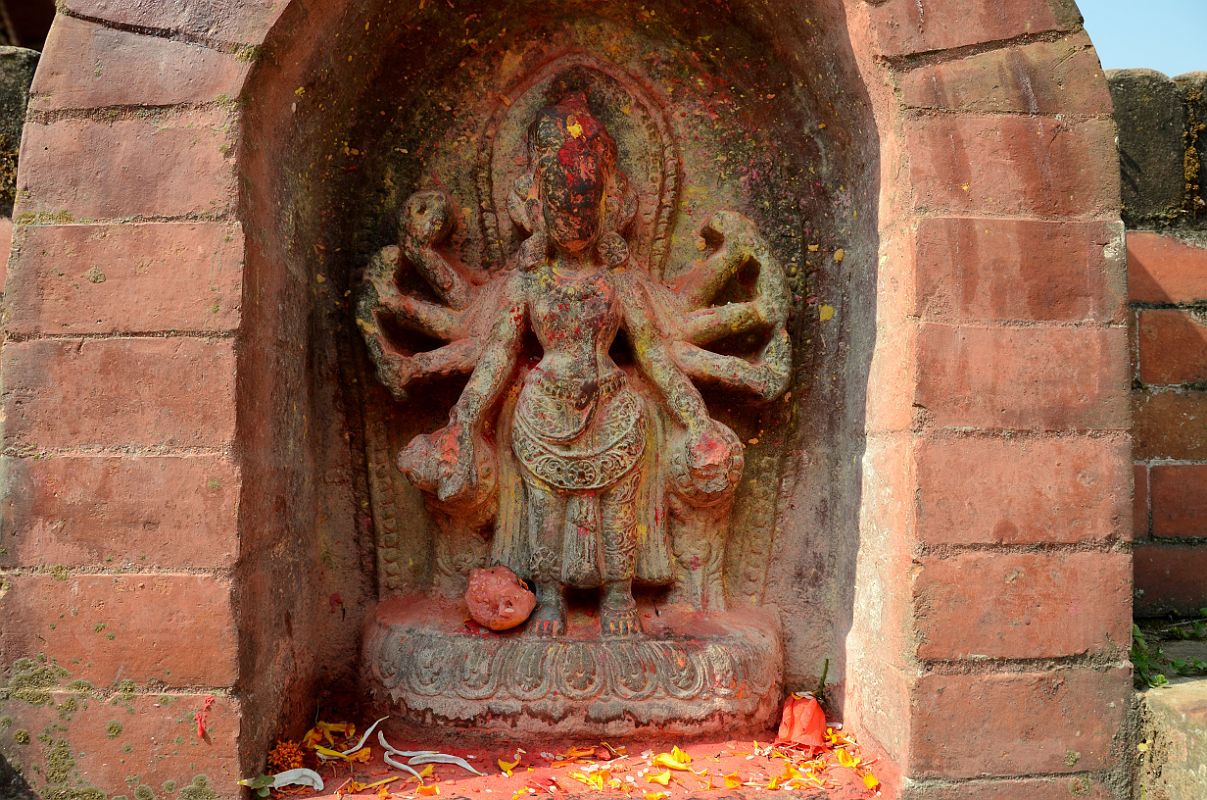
[623,475]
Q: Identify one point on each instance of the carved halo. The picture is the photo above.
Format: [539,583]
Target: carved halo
[649,152]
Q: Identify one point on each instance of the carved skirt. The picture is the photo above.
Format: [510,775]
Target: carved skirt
[581,451]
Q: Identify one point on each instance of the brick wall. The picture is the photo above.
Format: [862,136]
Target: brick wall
[1161,140]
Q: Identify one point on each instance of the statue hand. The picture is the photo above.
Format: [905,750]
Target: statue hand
[727,227]
[706,464]
[447,464]
[425,219]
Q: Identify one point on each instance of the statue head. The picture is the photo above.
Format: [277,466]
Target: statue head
[573,159]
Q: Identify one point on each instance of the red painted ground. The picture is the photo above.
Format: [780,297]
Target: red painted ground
[715,770]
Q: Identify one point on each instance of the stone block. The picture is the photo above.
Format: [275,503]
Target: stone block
[1179,501]
[123,744]
[1003,724]
[16,73]
[1035,379]
[1192,87]
[1174,725]
[93,66]
[1026,605]
[1169,579]
[905,27]
[174,165]
[133,278]
[1173,346]
[1165,269]
[153,392]
[971,164]
[1026,270]
[172,629]
[1148,112]
[1170,425]
[1031,78]
[1021,491]
[243,22]
[1071,787]
[124,511]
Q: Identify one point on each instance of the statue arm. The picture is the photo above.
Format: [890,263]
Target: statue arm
[497,359]
[656,360]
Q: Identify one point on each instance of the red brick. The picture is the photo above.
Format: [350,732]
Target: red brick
[175,629]
[997,269]
[1058,721]
[968,164]
[88,169]
[1170,578]
[86,65]
[909,26]
[1034,378]
[126,737]
[1023,491]
[141,278]
[1073,787]
[1140,502]
[1033,78]
[176,392]
[1025,605]
[1173,346]
[246,21]
[1179,497]
[120,511]
[6,244]
[1171,424]
[1162,269]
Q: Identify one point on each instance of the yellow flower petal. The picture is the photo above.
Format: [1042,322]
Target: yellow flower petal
[733,781]
[663,778]
[846,759]
[654,795]
[428,790]
[870,781]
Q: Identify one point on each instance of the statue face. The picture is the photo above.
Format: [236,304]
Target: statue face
[574,155]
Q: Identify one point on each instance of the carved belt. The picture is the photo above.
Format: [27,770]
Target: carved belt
[605,450]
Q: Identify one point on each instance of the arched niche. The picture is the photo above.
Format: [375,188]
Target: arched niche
[754,109]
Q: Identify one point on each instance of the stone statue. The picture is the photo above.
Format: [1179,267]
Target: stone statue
[591,454]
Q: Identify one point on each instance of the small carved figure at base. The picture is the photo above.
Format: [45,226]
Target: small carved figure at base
[497,599]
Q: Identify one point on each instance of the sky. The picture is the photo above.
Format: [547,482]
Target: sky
[1169,36]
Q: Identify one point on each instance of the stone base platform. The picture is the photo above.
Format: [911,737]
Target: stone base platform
[690,674]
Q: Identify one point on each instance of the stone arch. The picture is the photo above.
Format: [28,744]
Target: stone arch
[163,457]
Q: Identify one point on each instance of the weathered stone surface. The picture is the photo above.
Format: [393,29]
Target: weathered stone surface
[1170,424]
[95,66]
[1015,79]
[690,675]
[1163,268]
[1173,727]
[244,22]
[1029,605]
[149,392]
[1022,281]
[1017,723]
[16,74]
[89,169]
[1173,346]
[1020,491]
[1149,114]
[131,278]
[1193,90]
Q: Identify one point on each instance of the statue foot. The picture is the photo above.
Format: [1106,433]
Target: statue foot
[549,619]
[618,616]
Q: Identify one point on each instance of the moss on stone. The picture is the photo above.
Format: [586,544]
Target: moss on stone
[21,736]
[199,789]
[144,792]
[30,680]
[113,729]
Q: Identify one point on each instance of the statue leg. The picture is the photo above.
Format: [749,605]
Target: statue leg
[618,506]
[545,514]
